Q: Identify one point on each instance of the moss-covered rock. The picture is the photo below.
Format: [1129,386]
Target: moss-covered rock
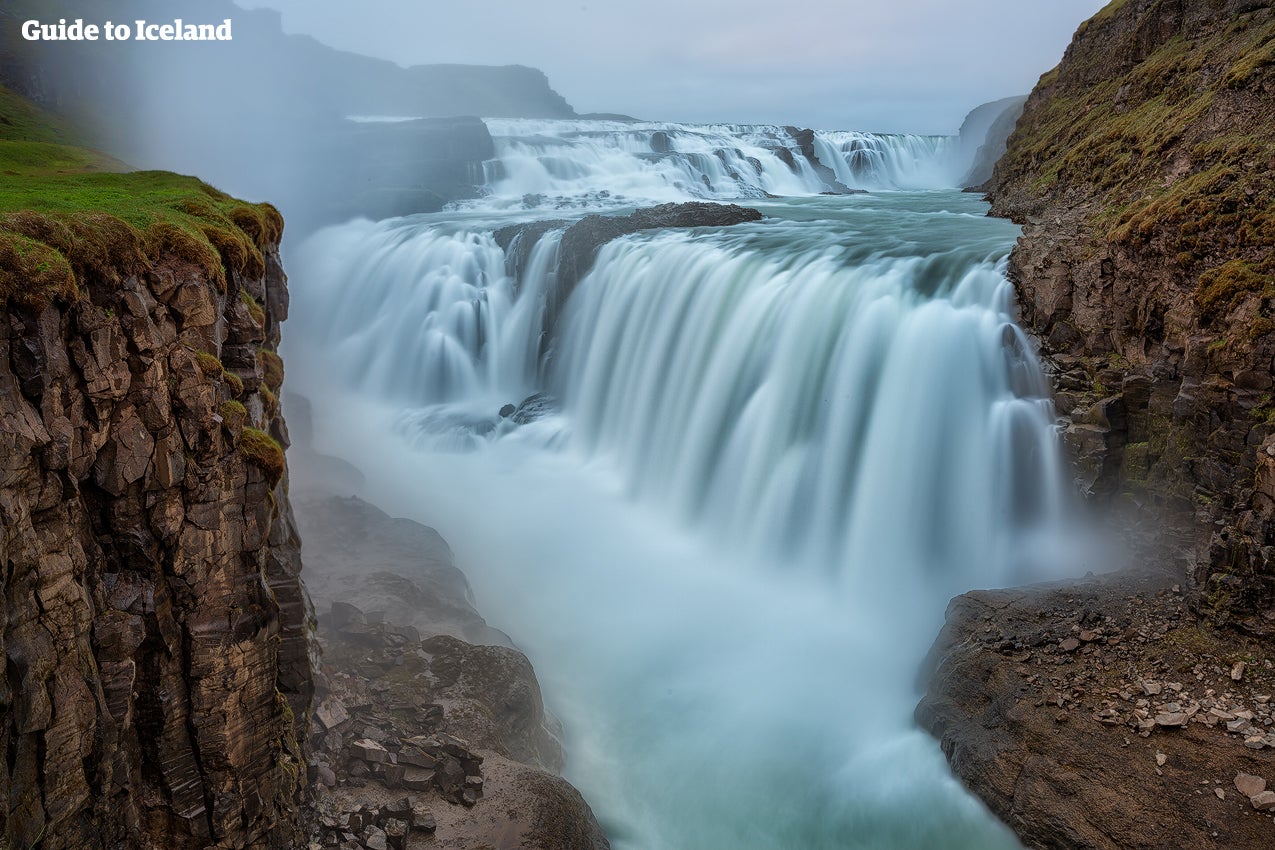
[264,452]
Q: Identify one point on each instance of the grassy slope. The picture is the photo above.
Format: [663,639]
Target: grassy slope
[1146,146]
[69,215]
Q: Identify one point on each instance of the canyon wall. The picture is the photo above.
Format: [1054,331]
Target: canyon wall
[152,620]
[1143,173]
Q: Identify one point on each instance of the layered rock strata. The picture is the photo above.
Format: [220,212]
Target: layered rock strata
[152,619]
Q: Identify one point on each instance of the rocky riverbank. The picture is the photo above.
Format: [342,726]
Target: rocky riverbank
[1104,714]
[429,730]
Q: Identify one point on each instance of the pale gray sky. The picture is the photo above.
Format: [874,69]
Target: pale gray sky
[885,65]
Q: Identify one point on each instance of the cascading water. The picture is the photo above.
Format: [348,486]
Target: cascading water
[556,163]
[884,161]
[774,452]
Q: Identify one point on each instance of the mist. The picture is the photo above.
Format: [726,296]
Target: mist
[903,66]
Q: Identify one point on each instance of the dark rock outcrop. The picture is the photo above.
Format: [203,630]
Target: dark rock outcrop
[581,241]
[1141,171]
[399,569]
[805,140]
[422,707]
[152,618]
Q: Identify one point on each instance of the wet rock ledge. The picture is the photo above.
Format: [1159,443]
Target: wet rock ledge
[1102,714]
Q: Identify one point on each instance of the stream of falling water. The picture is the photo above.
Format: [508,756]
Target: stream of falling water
[763,459]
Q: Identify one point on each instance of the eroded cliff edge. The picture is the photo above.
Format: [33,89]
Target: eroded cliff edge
[1125,712]
[153,623]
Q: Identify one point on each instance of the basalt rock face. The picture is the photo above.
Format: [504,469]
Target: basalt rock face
[1143,173]
[152,618]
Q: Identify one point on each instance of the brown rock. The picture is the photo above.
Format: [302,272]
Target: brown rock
[1264,802]
[369,751]
[1249,785]
[156,626]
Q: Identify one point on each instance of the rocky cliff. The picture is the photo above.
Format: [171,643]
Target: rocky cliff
[152,620]
[1143,173]
[1134,710]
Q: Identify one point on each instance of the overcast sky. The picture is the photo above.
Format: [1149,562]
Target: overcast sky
[883,65]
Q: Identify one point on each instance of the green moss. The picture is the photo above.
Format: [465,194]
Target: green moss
[1246,69]
[33,273]
[254,309]
[23,121]
[1265,412]
[233,414]
[1220,289]
[271,368]
[107,222]
[264,452]
[209,365]
[269,401]
[1137,462]
[235,383]
[1158,151]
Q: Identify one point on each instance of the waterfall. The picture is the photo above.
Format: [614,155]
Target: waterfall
[797,402]
[799,406]
[557,163]
[746,470]
[870,160]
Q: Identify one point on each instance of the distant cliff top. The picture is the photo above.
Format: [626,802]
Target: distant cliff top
[262,72]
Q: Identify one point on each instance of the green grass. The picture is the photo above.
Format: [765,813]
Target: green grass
[264,452]
[85,212]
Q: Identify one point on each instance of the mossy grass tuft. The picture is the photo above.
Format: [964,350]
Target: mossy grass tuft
[254,309]
[106,222]
[209,365]
[271,368]
[233,414]
[264,452]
